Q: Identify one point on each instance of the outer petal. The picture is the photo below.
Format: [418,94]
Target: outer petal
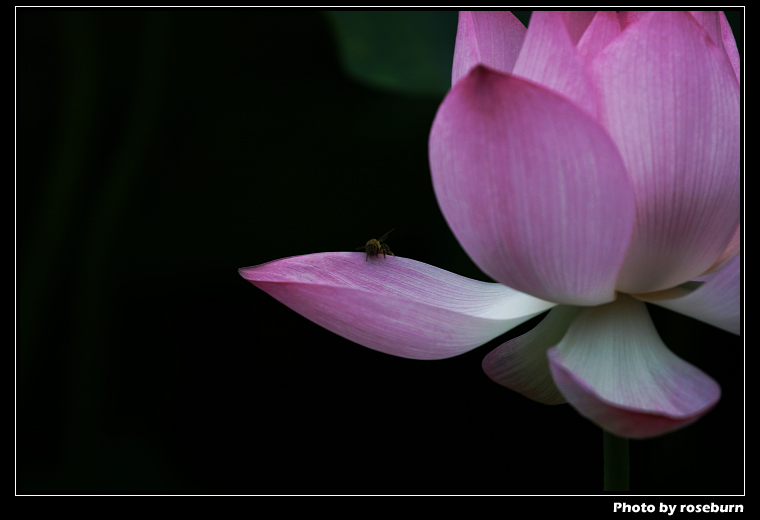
[549,57]
[395,305]
[614,369]
[521,363]
[492,38]
[532,187]
[670,100]
[715,301]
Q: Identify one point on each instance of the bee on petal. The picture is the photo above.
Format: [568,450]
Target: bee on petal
[375,246]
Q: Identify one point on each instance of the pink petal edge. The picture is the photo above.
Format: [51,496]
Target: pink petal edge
[549,57]
[614,418]
[604,28]
[729,44]
[577,23]
[492,38]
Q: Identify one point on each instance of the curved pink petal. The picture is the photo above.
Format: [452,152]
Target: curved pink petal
[715,301]
[492,38]
[604,28]
[532,187]
[521,363]
[549,57]
[395,305]
[670,100]
[614,369]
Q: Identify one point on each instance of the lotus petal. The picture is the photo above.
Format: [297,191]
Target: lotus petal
[491,38]
[521,364]
[549,57]
[670,101]
[612,366]
[716,300]
[395,305]
[532,187]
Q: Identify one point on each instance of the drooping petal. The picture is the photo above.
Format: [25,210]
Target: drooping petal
[395,305]
[492,38]
[715,301]
[612,366]
[521,363]
[670,100]
[532,187]
[604,28]
[549,57]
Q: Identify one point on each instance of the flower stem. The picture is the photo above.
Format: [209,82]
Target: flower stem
[616,466]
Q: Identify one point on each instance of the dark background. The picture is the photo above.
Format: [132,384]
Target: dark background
[158,152]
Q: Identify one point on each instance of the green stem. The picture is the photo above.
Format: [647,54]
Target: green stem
[616,465]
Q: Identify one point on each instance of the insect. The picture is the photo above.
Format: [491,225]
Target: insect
[376,246]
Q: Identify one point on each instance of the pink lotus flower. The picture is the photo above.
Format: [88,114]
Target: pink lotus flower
[588,164]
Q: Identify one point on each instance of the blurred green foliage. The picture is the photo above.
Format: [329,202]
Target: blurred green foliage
[405,51]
